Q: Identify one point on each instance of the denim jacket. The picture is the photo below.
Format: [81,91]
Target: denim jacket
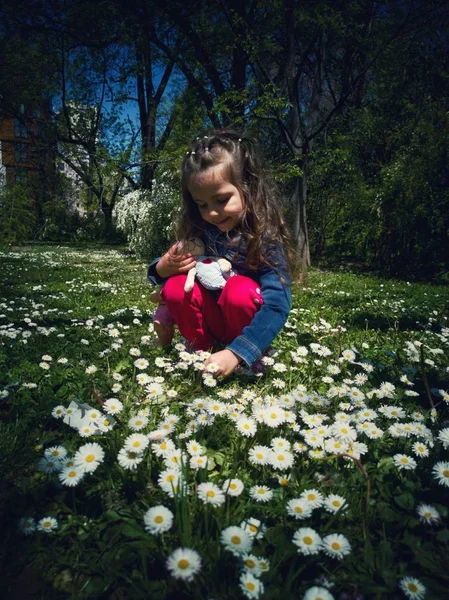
[276,294]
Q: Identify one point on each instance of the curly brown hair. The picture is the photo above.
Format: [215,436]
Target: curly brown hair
[243,166]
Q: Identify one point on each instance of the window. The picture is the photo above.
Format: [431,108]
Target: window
[21,176]
[21,152]
[20,129]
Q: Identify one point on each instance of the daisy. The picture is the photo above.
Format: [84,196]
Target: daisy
[261,493]
[250,585]
[254,528]
[233,487]
[71,476]
[344,432]
[184,563]
[333,503]
[246,426]
[281,460]
[161,448]
[273,416]
[307,540]
[336,545]
[259,455]
[251,564]
[138,423]
[420,449]
[402,461]
[210,493]
[441,473]
[91,369]
[113,406]
[170,481]
[313,497]
[173,458]
[317,593]
[158,519]
[128,459]
[136,442]
[299,508]
[412,588]
[50,465]
[141,364]
[428,514]
[47,524]
[58,412]
[134,351]
[236,540]
[27,525]
[89,457]
[443,437]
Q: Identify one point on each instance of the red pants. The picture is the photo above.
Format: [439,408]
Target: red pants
[202,319]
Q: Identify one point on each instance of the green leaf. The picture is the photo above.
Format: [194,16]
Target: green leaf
[405,501]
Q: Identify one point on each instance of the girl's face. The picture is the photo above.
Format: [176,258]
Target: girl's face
[219,201]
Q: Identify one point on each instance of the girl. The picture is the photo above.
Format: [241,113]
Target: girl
[229,203]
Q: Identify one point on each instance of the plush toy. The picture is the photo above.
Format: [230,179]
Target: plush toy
[211,272]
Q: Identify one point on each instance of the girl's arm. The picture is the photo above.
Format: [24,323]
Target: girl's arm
[170,264]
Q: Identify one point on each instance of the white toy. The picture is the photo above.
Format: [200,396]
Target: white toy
[211,272]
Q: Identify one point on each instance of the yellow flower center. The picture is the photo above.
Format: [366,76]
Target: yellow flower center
[235,539]
[281,457]
[307,540]
[250,563]
[46,523]
[183,563]
[336,503]
[336,546]
[298,510]
[412,587]
[90,458]
[273,415]
[138,422]
[136,444]
[253,528]
[259,456]
[404,460]
[210,494]
[250,586]
[72,473]
[233,486]
[158,519]
[446,473]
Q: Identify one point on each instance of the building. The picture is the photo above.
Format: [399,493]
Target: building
[23,152]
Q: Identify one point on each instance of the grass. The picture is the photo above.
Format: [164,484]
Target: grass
[90,308]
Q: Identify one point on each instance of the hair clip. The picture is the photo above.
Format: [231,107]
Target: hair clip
[193,152]
[206,149]
[240,139]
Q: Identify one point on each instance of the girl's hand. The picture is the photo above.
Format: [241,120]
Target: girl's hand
[226,361]
[173,263]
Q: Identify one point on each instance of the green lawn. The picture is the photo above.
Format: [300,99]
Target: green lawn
[330,471]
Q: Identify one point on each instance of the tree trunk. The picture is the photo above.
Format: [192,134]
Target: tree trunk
[298,203]
[107,211]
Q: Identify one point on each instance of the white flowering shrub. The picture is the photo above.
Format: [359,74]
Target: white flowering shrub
[146,218]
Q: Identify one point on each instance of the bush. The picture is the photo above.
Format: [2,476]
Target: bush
[146,218]
[17,217]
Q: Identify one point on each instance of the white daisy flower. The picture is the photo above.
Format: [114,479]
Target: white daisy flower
[299,508]
[259,455]
[158,519]
[251,564]
[161,448]
[91,369]
[250,585]
[47,524]
[246,426]
[404,462]
[313,497]
[236,540]
[428,514]
[420,449]
[261,493]
[194,448]
[210,493]
[170,481]
[333,503]
[136,442]
[50,465]
[56,452]
[412,588]
[232,487]
[318,593]
[273,416]
[58,412]
[128,459]
[137,423]
[27,525]
[89,457]
[184,563]
[336,545]
[113,406]
[281,460]
[441,473]
[71,476]
[198,461]
[307,540]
